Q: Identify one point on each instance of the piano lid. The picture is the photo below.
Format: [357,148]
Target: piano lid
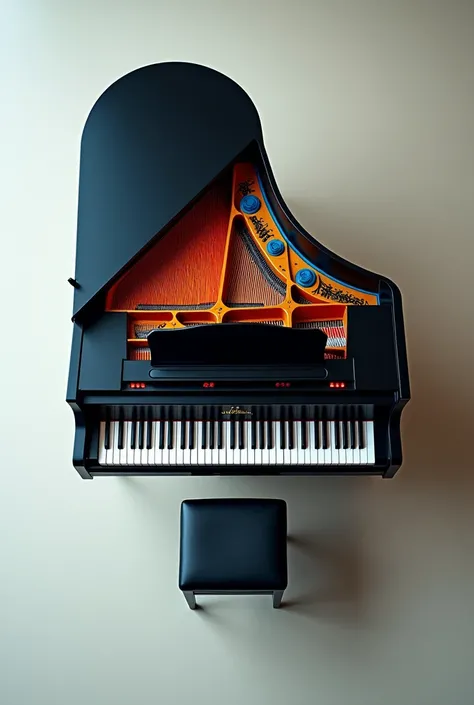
[153,141]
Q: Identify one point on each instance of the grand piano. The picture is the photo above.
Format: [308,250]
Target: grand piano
[211,333]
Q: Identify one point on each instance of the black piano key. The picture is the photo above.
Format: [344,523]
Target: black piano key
[360,427]
[241,429]
[204,428]
[317,435]
[232,432]
[345,428]
[325,429]
[141,430]
[337,428]
[253,430]
[282,428]
[261,428]
[220,429]
[304,434]
[352,429]
[107,430]
[133,429]
[170,429]
[149,429]
[192,429]
[291,429]
[121,427]
[269,428]
[212,418]
[182,440]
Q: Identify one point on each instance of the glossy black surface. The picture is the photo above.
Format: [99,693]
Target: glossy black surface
[154,141]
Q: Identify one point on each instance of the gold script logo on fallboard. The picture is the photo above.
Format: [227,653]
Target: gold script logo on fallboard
[236,410]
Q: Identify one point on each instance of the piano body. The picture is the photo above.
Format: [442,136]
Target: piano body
[212,334]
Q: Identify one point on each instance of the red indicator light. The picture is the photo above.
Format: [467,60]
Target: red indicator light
[212,384]
[331,384]
[132,386]
[277,384]
[342,385]
[206,385]
[143,385]
[288,384]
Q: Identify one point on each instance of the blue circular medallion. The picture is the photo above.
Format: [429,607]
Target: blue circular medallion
[250,204]
[305,277]
[275,248]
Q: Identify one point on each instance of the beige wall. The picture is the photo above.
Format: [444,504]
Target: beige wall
[368,114]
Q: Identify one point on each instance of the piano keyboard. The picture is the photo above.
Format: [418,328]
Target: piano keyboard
[238,442]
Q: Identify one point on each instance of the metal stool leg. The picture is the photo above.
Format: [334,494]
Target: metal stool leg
[190,599]
[277,596]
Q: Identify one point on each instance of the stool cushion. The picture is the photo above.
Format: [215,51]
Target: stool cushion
[233,544]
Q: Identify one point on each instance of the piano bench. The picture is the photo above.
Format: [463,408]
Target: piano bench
[233,547]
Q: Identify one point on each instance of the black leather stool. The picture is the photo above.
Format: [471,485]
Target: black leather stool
[233,547]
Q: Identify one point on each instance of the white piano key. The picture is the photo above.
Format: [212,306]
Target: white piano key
[272,453]
[123,455]
[215,450]
[244,451]
[326,456]
[222,452]
[307,450]
[250,450]
[144,450]
[363,451]
[165,455]
[370,443]
[112,453]
[258,451]
[179,459]
[187,450]
[157,452]
[342,450]
[175,443]
[311,454]
[200,449]
[237,451]
[130,454]
[151,451]
[229,452]
[295,453]
[320,453]
[207,451]
[332,443]
[277,441]
[196,438]
[349,450]
[356,451]
[137,453]
[102,454]
[286,449]
[265,450]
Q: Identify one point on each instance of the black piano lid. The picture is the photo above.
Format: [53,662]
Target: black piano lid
[153,141]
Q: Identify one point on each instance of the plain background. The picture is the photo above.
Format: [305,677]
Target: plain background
[368,115]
